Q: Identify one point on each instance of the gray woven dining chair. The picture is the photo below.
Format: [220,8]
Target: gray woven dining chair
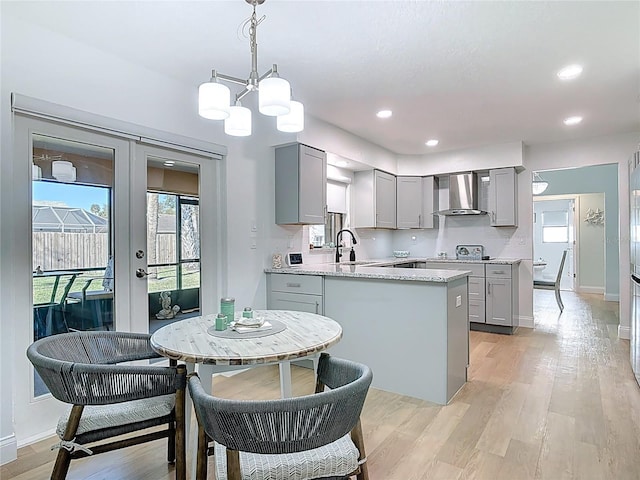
[108,399]
[316,436]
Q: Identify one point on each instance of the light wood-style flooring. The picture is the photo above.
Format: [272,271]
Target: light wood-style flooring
[557,402]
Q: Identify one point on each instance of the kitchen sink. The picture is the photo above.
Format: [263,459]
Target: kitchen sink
[357,262]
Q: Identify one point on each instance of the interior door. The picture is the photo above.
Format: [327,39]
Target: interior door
[554,232]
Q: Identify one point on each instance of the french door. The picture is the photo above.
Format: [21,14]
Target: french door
[83,241]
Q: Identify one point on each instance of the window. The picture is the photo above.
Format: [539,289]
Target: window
[325,235]
[555,226]
[173,241]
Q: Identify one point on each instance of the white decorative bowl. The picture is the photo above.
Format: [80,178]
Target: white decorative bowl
[401,253]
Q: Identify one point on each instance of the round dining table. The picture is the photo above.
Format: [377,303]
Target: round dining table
[284,336]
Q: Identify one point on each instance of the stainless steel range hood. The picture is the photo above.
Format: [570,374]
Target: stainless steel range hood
[463,195]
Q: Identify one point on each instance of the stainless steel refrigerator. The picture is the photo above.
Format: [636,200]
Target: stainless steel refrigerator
[634,240]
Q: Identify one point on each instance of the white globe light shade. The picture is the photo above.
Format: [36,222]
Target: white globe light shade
[63,171]
[274,96]
[36,172]
[238,124]
[214,100]
[539,186]
[292,121]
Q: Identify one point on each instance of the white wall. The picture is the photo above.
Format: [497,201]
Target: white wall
[591,241]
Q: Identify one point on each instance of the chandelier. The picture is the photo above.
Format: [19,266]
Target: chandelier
[538,185]
[274,94]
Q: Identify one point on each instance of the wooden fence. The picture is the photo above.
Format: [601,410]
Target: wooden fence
[67,251]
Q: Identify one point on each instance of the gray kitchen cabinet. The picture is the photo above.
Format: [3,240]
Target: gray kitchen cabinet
[301,293]
[498,302]
[429,202]
[409,202]
[493,293]
[503,195]
[300,185]
[374,195]
[501,295]
[477,299]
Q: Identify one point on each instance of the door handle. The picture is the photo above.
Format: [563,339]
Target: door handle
[141,273]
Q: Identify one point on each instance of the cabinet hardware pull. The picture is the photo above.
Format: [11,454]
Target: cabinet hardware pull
[317,305]
[419,220]
[293,285]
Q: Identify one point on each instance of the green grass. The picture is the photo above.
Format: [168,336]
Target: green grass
[164,279]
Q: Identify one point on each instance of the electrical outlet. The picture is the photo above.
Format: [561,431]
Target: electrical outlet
[459,301]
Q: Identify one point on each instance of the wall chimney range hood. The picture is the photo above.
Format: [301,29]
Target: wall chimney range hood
[463,195]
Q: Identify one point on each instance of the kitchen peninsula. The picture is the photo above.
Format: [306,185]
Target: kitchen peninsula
[409,325]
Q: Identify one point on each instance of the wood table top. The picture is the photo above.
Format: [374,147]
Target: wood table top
[188,340]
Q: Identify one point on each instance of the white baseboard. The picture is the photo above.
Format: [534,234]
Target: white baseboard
[624,332]
[526,322]
[583,289]
[37,438]
[8,449]
[611,297]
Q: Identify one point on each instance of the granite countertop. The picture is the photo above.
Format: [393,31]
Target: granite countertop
[495,261]
[382,268]
[373,270]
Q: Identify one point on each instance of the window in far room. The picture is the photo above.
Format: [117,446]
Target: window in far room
[555,226]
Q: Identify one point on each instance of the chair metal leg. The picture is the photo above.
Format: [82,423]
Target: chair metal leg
[63,460]
[559,300]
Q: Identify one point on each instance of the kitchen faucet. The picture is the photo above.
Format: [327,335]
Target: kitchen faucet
[352,254]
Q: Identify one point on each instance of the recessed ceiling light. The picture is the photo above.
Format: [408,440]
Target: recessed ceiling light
[570,72]
[384,114]
[431,143]
[572,120]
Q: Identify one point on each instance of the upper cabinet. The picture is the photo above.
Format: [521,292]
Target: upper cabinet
[417,200]
[374,194]
[503,195]
[409,198]
[429,202]
[301,185]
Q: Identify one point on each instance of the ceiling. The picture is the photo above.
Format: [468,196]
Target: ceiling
[466,73]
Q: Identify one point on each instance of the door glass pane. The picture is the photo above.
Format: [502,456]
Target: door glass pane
[73,284]
[173,241]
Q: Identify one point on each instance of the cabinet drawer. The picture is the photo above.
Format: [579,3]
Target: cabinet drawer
[286,282]
[476,288]
[477,311]
[299,302]
[498,271]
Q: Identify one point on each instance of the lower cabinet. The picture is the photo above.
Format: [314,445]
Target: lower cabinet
[493,292]
[301,293]
[498,301]
[502,295]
